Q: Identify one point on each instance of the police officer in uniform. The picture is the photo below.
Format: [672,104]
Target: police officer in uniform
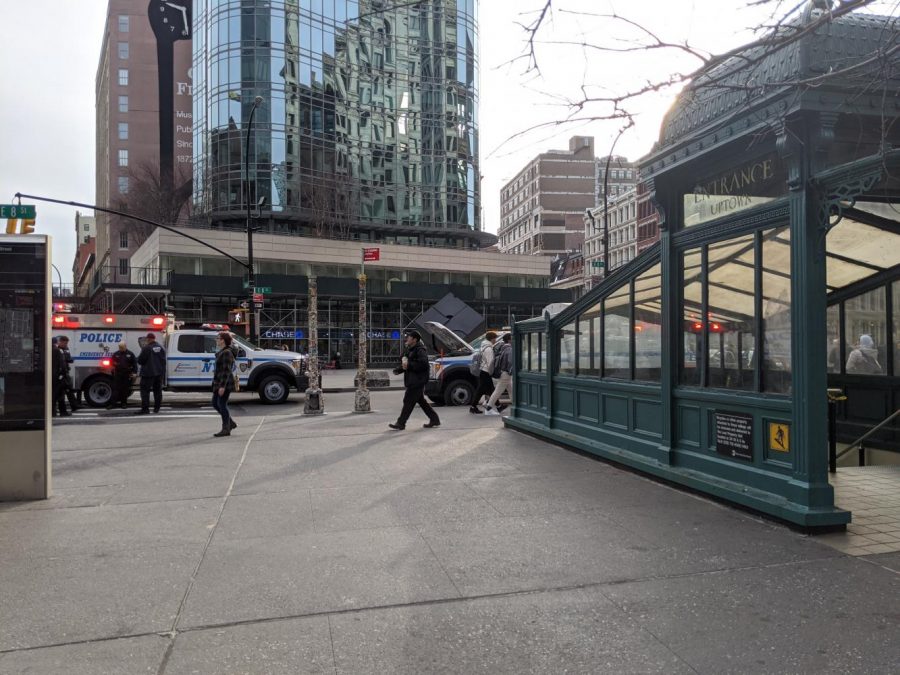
[124,365]
[58,379]
[67,384]
[152,361]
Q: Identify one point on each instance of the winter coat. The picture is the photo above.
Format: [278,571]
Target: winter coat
[224,372]
[124,363]
[864,361]
[416,373]
[487,357]
[152,360]
[505,358]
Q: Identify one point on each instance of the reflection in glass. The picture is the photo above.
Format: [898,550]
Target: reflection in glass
[731,315]
[865,324]
[833,333]
[776,311]
[567,349]
[648,325]
[589,342]
[534,349]
[692,316]
[616,333]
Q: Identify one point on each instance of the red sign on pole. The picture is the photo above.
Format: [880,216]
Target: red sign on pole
[371,254]
[258,298]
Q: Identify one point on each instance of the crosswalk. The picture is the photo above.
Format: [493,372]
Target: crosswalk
[94,415]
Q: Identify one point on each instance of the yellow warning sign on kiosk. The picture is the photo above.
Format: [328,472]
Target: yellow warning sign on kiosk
[779,437]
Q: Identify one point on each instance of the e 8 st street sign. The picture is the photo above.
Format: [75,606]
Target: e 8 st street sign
[17,211]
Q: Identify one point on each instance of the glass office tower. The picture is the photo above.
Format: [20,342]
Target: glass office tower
[368,127]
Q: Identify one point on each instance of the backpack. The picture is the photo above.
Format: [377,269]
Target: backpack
[498,348]
[475,366]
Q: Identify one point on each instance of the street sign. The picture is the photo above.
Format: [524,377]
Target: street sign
[260,289]
[371,254]
[17,211]
[258,298]
[597,263]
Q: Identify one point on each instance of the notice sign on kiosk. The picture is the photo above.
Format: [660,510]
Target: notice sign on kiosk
[24,374]
[734,435]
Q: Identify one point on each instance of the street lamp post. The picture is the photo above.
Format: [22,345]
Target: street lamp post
[58,276]
[251,274]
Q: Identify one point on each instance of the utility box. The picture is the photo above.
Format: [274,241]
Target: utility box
[25,405]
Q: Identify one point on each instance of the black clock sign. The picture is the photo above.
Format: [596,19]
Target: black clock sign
[171,22]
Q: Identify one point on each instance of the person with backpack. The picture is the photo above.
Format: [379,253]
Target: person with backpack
[482,367]
[502,372]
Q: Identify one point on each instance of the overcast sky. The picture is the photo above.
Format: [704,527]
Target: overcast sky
[48,65]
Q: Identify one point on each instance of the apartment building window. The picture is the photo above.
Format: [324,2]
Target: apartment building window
[123,50]
[124,24]
[123,185]
[123,239]
[123,104]
[123,267]
[123,157]
[123,131]
[123,77]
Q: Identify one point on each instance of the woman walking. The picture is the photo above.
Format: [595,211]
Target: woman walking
[223,382]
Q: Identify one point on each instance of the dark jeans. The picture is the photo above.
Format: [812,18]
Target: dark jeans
[485,387]
[153,382]
[220,403]
[59,397]
[412,396]
[121,389]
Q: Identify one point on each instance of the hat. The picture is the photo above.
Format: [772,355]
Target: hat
[151,336]
[866,342]
[412,333]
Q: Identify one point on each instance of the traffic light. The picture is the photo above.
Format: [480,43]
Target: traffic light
[237,317]
[23,225]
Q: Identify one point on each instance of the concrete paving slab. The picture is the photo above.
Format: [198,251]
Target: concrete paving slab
[340,509]
[291,576]
[506,554]
[812,617]
[266,515]
[51,600]
[264,648]
[577,631]
[105,530]
[127,656]
[293,471]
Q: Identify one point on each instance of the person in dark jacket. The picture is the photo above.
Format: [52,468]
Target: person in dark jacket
[152,361]
[67,379]
[124,365]
[414,366]
[223,382]
[58,370]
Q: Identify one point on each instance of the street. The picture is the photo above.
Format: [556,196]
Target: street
[332,544]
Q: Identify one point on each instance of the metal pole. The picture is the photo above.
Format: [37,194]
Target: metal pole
[362,403]
[251,275]
[832,435]
[315,405]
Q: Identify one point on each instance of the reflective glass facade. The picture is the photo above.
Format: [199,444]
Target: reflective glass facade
[368,120]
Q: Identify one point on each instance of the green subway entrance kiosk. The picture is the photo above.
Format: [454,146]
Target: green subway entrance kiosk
[703,361]
[25,298]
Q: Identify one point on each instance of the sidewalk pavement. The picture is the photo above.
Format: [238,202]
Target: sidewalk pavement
[338,381]
[333,545]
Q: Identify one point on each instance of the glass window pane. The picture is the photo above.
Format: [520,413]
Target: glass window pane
[833,330]
[776,311]
[589,342]
[648,325]
[533,352]
[524,352]
[616,330]
[866,326]
[895,292]
[567,349]
[731,312]
[691,313]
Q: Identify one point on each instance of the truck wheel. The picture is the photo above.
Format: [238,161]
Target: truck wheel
[98,391]
[459,392]
[273,389]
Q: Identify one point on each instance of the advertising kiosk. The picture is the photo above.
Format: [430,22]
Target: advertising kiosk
[25,299]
